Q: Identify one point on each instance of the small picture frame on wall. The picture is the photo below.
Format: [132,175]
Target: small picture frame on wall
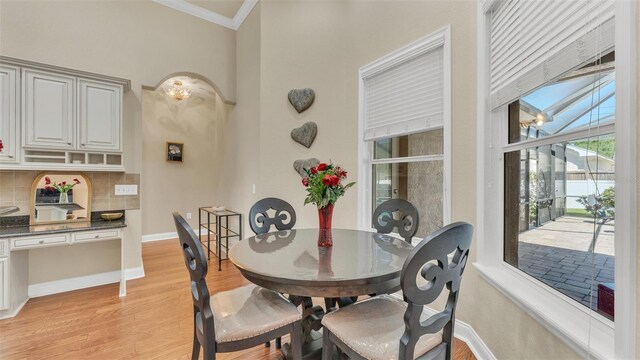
[175,151]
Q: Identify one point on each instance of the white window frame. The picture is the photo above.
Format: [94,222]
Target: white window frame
[441,37]
[570,321]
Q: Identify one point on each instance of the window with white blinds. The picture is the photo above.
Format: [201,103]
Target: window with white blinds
[404,92]
[533,42]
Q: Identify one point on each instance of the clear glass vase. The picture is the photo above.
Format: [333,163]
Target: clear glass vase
[64,198]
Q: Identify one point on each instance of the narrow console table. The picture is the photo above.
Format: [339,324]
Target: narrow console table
[217,225]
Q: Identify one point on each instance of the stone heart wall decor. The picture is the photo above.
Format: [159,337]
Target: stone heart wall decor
[301,99]
[305,134]
[300,165]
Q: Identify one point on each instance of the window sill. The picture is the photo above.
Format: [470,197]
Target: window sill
[565,319]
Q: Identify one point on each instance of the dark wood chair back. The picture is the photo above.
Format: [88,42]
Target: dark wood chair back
[430,259]
[260,222]
[196,262]
[406,223]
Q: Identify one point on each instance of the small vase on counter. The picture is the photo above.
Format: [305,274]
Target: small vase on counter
[64,198]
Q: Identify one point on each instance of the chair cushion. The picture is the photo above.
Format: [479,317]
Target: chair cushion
[373,328]
[249,311]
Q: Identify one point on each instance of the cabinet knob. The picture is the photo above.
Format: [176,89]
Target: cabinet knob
[41,242]
[97,236]
[69,143]
[10,156]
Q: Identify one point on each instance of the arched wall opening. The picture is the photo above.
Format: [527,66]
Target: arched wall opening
[179,158]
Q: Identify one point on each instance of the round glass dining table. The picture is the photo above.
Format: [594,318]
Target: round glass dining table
[291,262]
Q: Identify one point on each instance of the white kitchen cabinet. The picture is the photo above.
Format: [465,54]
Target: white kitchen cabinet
[100,115]
[9,114]
[53,118]
[48,110]
[4,283]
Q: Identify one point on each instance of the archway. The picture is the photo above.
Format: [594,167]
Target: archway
[191,126]
[195,77]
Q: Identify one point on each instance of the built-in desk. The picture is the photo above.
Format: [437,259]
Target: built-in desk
[15,241]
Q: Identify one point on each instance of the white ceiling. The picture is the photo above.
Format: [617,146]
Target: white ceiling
[228,8]
[227,13]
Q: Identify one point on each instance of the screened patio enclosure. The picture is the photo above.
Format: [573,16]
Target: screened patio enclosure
[560,193]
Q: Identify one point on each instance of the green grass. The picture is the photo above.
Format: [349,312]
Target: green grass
[579,212]
[604,146]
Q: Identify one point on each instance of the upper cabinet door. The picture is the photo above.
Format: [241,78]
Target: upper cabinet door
[100,115]
[48,116]
[9,114]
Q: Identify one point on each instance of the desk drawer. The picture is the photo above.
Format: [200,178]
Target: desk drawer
[95,236]
[4,248]
[39,241]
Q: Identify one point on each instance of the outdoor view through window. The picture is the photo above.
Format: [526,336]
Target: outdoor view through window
[410,167]
[560,186]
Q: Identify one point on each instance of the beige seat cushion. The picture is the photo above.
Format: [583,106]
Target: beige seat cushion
[373,328]
[249,311]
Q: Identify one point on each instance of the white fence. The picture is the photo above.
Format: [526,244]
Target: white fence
[577,188]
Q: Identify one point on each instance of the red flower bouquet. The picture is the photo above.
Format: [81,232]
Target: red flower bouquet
[324,187]
[61,187]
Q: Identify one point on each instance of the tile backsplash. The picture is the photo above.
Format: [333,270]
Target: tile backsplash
[15,189]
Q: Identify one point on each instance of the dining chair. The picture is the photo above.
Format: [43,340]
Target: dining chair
[283,219]
[386,327]
[260,222]
[237,319]
[406,223]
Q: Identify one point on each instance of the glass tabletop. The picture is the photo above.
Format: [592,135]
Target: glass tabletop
[293,258]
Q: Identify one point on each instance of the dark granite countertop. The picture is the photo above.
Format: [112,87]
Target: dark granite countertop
[26,230]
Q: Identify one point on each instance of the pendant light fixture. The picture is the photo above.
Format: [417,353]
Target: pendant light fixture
[177,90]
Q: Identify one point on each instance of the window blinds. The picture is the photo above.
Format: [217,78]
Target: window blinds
[406,97]
[535,41]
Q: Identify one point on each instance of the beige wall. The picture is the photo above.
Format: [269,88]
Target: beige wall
[238,137]
[137,40]
[638,187]
[322,45]
[177,186]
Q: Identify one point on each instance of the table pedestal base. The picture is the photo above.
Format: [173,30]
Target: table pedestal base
[310,350]
[312,325]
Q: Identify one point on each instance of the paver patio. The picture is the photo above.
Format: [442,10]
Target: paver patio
[559,254]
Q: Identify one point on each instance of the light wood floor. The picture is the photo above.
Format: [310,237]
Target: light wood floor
[152,322]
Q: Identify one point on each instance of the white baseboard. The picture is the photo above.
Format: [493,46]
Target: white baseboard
[165,236]
[82,282]
[7,314]
[465,332]
[160,236]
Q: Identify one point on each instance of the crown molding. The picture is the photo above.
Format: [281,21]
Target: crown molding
[243,12]
[212,16]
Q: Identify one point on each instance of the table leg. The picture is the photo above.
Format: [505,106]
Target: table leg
[219,241]
[208,236]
